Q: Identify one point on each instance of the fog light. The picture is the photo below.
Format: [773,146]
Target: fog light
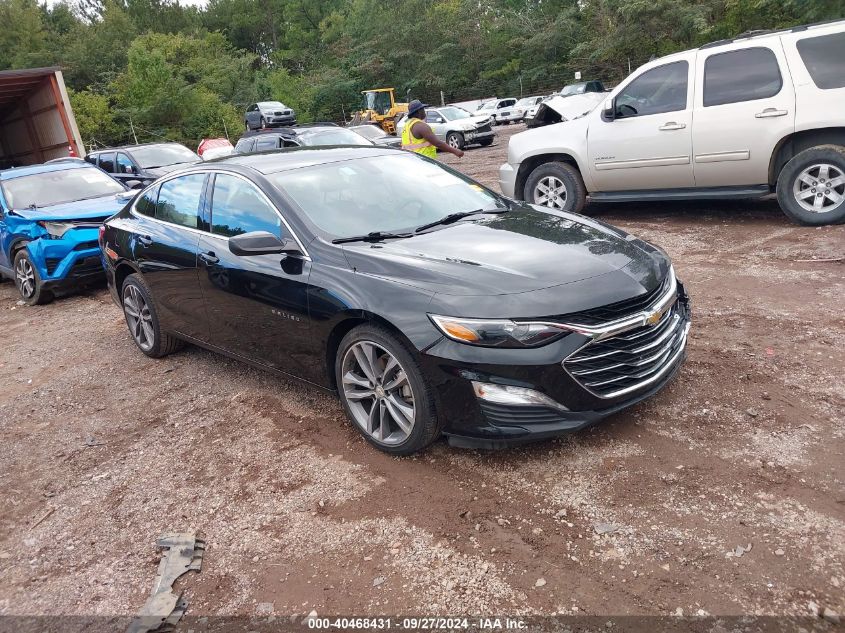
[513,396]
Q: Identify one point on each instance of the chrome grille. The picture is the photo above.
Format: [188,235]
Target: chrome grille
[633,359]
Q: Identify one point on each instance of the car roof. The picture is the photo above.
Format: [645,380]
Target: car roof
[296,157]
[30,170]
[131,147]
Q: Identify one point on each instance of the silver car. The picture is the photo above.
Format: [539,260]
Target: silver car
[456,126]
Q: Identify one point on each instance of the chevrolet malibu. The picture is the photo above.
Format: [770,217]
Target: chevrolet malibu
[429,303]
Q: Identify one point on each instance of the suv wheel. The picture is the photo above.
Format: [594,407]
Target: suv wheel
[28,281]
[142,319]
[384,393]
[811,186]
[556,185]
[455,139]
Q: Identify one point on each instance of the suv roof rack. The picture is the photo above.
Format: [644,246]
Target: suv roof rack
[761,32]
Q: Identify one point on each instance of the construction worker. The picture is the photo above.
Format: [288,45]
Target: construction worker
[417,135]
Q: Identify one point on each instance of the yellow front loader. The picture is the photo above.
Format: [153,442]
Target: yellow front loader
[380,108]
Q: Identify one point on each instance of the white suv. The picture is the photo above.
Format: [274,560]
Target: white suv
[733,119]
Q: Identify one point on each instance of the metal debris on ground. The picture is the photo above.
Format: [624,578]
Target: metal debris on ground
[164,608]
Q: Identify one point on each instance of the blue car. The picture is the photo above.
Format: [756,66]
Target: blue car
[50,216]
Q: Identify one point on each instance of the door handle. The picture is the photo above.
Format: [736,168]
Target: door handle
[672,126]
[209,257]
[145,240]
[770,112]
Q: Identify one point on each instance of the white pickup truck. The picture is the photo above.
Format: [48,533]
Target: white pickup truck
[737,118]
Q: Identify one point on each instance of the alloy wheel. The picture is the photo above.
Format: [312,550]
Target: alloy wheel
[820,188]
[550,192]
[453,141]
[138,318]
[25,278]
[378,393]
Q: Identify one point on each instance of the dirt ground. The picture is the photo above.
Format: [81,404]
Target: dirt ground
[722,495]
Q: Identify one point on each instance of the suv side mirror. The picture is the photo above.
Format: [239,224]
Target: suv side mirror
[609,110]
[262,243]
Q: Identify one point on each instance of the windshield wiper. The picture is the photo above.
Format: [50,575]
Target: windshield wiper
[375,236]
[454,217]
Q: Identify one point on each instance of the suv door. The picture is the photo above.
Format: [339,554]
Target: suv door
[257,305]
[105,161]
[647,145]
[164,245]
[251,116]
[126,171]
[745,104]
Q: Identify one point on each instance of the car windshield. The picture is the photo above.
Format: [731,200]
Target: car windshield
[330,136]
[271,105]
[527,101]
[454,113]
[163,155]
[370,131]
[573,89]
[57,187]
[381,193]
[490,105]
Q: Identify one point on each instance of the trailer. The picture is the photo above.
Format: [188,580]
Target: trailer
[36,119]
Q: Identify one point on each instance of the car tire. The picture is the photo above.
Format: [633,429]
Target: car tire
[566,190]
[455,139]
[28,281]
[142,319]
[262,123]
[375,415]
[247,126]
[803,187]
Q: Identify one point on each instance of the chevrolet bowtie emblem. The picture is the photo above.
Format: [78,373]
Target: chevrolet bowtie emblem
[654,317]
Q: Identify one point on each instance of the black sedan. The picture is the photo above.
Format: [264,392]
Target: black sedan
[428,302]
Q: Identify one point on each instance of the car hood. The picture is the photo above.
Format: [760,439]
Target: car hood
[524,250]
[471,123]
[166,169]
[81,209]
[574,106]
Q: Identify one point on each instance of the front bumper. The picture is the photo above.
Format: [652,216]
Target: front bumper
[280,120]
[507,179]
[473,422]
[68,262]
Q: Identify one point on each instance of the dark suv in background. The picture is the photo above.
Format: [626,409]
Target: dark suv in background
[268,114]
[138,165]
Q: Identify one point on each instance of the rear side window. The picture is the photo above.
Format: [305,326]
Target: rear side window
[244,145]
[124,165]
[179,200]
[661,89]
[237,207]
[745,75]
[267,143]
[824,58]
[107,162]
[146,204]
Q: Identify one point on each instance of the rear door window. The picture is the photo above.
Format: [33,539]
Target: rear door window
[744,75]
[238,206]
[824,58]
[123,164]
[179,200]
[107,162]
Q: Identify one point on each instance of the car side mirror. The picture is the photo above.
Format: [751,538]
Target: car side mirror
[262,243]
[609,109]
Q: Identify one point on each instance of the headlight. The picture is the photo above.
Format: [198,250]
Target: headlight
[57,229]
[497,332]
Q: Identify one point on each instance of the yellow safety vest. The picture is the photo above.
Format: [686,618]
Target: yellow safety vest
[414,144]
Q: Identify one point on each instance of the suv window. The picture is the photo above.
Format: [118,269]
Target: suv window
[146,204]
[107,162]
[179,200]
[433,116]
[823,58]
[237,207]
[661,89]
[124,165]
[267,143]
[744,75]
[244,145]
